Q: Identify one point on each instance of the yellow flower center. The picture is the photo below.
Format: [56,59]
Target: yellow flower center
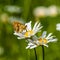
[28,33]
[43,41]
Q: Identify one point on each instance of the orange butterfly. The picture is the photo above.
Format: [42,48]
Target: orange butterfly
[18,27]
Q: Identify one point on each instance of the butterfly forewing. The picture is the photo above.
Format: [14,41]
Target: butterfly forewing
[18,27]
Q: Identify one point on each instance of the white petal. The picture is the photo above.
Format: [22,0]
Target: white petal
[24,31]
[45,45]
[27,47]
[37,30]
[28,25]
[30,43]
[15,33]
[20,37]
[33,47]
[35,25]
[18,34]
[37,42]
[38,25]
[51,37]
[44,34]
[53,40]
[48,35]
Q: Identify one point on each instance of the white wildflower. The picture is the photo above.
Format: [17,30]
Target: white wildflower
[43,40]
[13,9]
[29,31]
[58,27]
[39,12]
[52,11]
[32,31]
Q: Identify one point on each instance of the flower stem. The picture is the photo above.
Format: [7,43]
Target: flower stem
[28,55]
[43,52]
[35,53]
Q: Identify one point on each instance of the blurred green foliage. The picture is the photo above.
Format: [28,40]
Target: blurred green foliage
[14,49]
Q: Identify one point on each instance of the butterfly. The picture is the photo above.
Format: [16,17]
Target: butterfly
[18,27]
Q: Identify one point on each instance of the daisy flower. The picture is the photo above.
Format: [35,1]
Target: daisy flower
[28,32]
[58,26]
[32,31]
[42,40]
[52,11]
[13,9]
[40,11]
[45,39]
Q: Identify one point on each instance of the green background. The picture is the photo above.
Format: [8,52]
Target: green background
[14,49]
